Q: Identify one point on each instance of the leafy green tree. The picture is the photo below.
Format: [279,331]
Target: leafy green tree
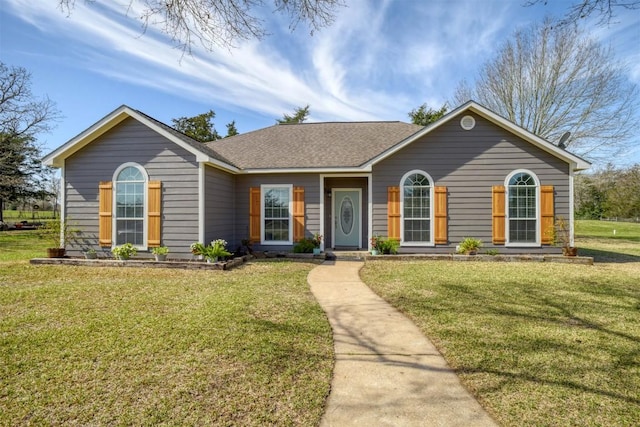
[231,129]
[22,118]
[424,115]
[300,115]
[198,127]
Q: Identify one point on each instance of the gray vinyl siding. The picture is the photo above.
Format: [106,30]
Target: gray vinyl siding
[468,163]
[311,184]
[164,161]
[219,196]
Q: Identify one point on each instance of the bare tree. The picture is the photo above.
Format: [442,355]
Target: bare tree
[22,117]
[604,10]
[221,23]
[554,79]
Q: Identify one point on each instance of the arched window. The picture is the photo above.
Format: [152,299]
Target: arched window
[522,209]
[416,208]
[130,208]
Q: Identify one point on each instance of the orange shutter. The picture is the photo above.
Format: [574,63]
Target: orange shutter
[154,191]
[546,214]
[393,212]
[105,202]
[498,223]
[298,213]
[254,214]
[440,208]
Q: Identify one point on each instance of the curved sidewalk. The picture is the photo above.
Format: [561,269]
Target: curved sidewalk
[387,373]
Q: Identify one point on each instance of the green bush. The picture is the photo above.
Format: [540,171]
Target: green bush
[304,246]
[387,246]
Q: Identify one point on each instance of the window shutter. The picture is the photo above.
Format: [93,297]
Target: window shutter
[440,214]
[546,214]
[254,214]
[105,202]
[154,194]
[498,214]
[393,212]
[298,213]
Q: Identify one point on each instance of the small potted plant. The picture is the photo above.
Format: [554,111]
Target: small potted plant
[212,252]
[317,241]
[469,246]
[374,245]
[160,253]
[90,254]
[124,252]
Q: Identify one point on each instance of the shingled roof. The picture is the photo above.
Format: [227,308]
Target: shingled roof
[312,145]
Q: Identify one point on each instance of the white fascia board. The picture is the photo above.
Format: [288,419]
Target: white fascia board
[576,162]
[364,169]
[56,158]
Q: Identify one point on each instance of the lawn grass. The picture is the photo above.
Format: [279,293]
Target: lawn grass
[21,245]
[539,344]
[126,346]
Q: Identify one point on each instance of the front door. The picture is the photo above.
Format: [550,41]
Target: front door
[346,218]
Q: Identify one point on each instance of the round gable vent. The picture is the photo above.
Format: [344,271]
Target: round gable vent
[467,122]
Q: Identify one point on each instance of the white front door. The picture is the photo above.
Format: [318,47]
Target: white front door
[346,218]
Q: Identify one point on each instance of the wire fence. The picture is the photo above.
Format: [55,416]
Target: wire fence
[618,219]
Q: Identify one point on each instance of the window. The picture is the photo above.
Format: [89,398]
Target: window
[129,218]
[276,214]
[416,208]
[522,207]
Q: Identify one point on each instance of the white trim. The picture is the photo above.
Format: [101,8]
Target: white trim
[571,209]
[431,209]
[356,170]
[201,201]
[262,217]
[145,218]
[574,161]
[538,242]
[333,213]
[370,210]
[321,204]
[63,201]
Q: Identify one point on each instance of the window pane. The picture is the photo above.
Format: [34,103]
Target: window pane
[130,231]
[522,230]
[416,231]
[276,230]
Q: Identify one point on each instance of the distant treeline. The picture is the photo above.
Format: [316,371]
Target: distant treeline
[608,193]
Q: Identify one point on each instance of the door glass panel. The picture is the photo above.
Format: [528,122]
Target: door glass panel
[346,216]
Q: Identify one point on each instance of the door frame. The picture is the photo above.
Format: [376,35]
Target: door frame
[333,214]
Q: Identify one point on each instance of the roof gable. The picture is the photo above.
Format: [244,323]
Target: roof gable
[576,162]
[201,151]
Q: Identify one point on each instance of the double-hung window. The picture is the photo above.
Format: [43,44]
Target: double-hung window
[522,208]
[276,214]
[416,208]
[130,184]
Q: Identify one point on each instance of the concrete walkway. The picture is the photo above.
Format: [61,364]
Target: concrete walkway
[387,373]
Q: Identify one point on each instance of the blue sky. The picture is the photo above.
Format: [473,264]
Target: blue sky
[379,60]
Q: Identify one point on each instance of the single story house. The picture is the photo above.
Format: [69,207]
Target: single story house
[131,178]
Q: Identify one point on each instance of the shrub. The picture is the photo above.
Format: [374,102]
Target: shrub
[304,246]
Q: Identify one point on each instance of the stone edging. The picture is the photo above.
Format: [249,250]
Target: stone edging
[144,263]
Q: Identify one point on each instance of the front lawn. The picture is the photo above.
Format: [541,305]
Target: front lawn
[538,343]
[126,346]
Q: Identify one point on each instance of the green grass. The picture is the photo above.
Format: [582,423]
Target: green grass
[13,216]
[539,344]
[110,346]
[21,245]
